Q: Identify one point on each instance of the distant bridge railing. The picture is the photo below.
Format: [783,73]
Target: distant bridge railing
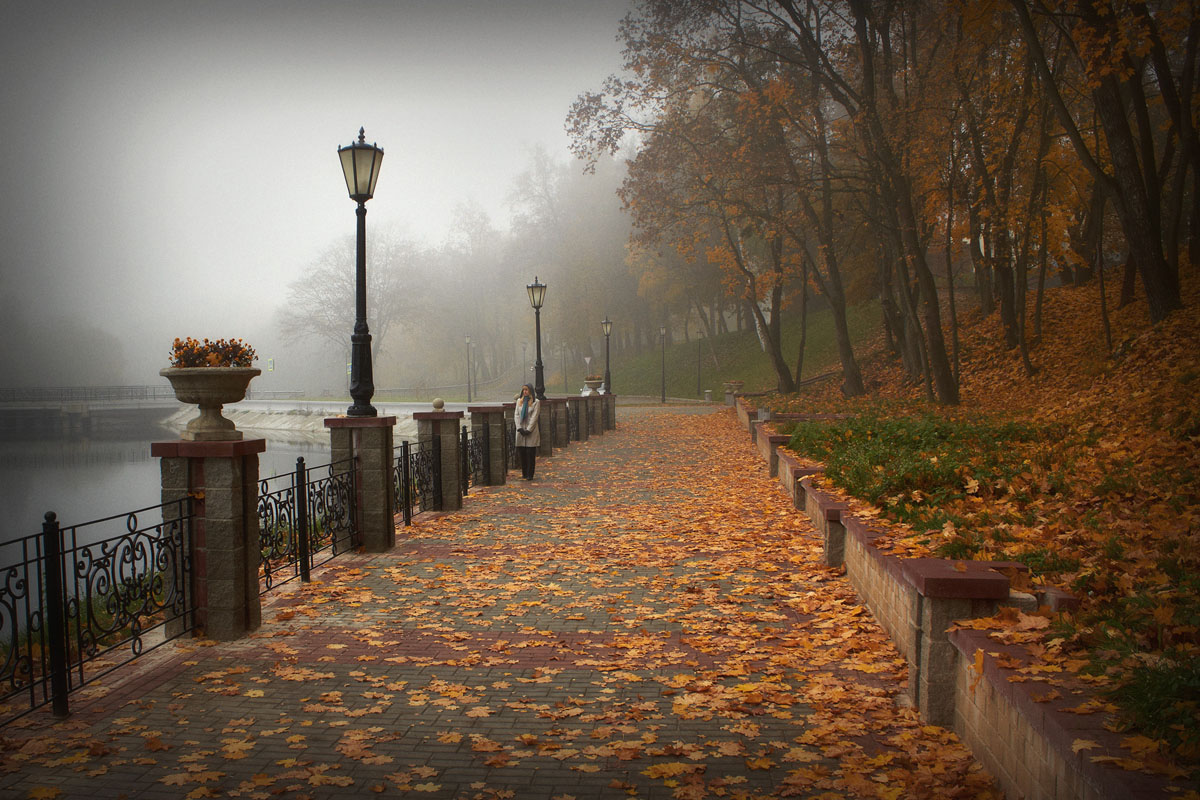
[85,394]
[110,394]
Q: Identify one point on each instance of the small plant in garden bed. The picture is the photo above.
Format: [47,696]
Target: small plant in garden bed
[208,353]
[941,476]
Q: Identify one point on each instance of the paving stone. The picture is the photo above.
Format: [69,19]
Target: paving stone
[560,638]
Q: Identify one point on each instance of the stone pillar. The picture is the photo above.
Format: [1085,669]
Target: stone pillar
[610,412]
[945,594]
[595,408]
[546,429]
[442,429]
[369,440]
[493,416]
[561,439]
[222,479]
[578,406]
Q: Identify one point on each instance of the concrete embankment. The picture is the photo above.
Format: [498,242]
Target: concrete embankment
[298,425]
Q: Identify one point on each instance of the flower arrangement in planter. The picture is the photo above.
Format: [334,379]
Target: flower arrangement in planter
[221,353]
[594,378]
[210,374]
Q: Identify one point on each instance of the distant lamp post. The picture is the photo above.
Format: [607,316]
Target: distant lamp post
[606,326]
[537,295]
[524,362]
[360,164]
[662,332]
[468,369]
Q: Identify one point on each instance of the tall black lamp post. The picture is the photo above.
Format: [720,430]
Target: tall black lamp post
[662,332]
[360,164]
[606,326]
[468,369]
[537,294]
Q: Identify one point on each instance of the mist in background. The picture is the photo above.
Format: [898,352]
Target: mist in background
[170,169]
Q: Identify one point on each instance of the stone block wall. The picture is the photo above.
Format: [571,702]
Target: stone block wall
[1024,742]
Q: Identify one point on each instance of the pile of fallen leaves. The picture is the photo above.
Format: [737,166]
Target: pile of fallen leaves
[1106,505]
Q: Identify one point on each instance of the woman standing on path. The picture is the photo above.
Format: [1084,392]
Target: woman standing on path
[527,430]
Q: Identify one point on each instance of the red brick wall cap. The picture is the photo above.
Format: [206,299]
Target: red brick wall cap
[939,577]
[232,449]
[360,422]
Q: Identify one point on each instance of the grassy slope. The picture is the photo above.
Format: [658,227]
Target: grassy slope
[1107,502]
[738,355]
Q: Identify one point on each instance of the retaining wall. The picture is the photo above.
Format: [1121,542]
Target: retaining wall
[1023,740]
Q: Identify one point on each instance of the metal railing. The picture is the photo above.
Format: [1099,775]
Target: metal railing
[417,478]
[514,458]
[476,458]
[85,394]
[572,424]
[76,604]
[306,521]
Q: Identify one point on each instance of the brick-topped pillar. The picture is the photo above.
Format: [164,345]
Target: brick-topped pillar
[222,479]
[369,441]
[945,591]
[559,404]
[489,421]
[610,412]
[578,406]
[595,414]
[546,429]
[442,429]
[825,511]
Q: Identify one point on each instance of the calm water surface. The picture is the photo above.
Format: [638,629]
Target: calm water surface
[85,479]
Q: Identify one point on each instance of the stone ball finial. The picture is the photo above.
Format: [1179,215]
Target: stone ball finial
[438,404]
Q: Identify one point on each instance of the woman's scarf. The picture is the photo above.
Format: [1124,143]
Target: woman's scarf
[524,410]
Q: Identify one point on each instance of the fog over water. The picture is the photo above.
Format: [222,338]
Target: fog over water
[169,167]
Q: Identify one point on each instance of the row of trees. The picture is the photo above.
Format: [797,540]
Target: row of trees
[856,148]
[567,228]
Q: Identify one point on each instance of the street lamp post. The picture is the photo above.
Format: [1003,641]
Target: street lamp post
[662,332]
[468,369]
[537,295]
[606,326]
[360,165]
[562,349]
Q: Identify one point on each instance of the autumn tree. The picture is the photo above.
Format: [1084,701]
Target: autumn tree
[1138,63]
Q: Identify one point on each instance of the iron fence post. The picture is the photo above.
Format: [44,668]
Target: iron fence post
[55,621]
[302,544]
[438,500]
[487,451]
[465,461]
[406,482]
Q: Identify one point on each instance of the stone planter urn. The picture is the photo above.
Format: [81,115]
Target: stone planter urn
[593,384]
[210,388]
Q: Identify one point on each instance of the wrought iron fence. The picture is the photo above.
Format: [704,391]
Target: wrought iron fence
[417,478]
[572,423]
[306,521]
[475,456]
[514,458]
[76,604]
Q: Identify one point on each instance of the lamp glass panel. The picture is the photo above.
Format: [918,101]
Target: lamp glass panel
[606,325]
[376,161]
[347,156]
[537,294]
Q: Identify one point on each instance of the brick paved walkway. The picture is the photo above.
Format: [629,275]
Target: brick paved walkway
[648,618]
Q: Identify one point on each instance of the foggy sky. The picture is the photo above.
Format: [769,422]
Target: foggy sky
[168,167]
